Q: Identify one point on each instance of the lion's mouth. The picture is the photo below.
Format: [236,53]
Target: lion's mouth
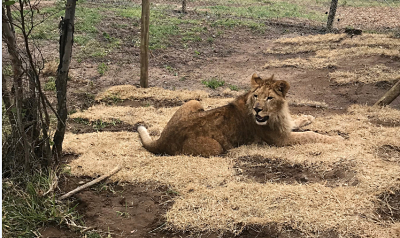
[261,119]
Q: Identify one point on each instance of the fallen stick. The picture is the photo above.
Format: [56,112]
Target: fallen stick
[390,95]
[118,168]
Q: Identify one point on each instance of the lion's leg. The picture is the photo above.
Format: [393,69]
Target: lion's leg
[310,137]
[188,108]
[204,146]
[302,121]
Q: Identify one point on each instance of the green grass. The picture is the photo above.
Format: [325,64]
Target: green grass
[26,207]
[94,49]
[112,99]
[97,124]
[233,87]
[7,70]
[273,10]
[50,85]
[213,83]
[165,27]
[102,68]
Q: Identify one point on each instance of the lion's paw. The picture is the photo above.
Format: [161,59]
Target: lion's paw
[304,120]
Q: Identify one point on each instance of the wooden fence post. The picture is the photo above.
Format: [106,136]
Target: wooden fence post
[144,44]
[183,6]
[331,16]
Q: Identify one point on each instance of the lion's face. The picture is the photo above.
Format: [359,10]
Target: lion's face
[266,98]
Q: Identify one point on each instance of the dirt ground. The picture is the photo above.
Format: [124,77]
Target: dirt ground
[137,210]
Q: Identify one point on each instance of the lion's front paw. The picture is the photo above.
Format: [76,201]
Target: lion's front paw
[304,120]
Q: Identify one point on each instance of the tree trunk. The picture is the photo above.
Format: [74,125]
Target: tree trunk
[9,37]
[66,41]
[389,96]
[144,44]
[332,13]
[183,6]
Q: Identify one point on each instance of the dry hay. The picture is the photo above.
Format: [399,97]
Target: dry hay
[155,119]
[366,75]
[215,196]
[50,68]
[329,49]
[124,92]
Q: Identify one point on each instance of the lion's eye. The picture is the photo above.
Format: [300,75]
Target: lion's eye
[269,98]
[255,95]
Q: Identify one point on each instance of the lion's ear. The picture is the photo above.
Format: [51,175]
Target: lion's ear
[281,87]
[256,80]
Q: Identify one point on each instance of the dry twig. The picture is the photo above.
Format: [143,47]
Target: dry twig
[118,168]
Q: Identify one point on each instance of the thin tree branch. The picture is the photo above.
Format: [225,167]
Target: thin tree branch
[112,172]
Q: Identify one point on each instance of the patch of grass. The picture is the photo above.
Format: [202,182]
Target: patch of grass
[273,10]
[113,42]
[99,124]
[85,23]
[82,39]
[159,35]
[47,30]
[169,68]
[163,27]
[80,120]
[93,48]
[72,111]
[40,34]
[115,121]
[92,234]
[233,87]
[89,98]
[102,68]
[134,11]
[7,70]
[50,85]
[26,206]
[112,99]
[87,18]
[183,78]
[213,83]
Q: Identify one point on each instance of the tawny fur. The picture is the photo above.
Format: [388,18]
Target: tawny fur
[262,114]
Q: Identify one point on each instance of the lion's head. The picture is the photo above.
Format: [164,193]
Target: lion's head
[267,98]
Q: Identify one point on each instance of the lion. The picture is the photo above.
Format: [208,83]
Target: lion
[260,115]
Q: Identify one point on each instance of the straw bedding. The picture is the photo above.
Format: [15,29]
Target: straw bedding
[330,49]
[214,196]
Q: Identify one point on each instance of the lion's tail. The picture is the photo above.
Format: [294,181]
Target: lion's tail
[147,142]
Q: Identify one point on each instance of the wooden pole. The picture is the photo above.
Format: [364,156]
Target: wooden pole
[144,44]
[389,96]
[332,13]
[183,6]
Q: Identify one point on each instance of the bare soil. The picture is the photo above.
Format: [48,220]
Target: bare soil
[118,210]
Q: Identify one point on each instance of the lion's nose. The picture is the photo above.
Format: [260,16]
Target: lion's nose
[257,110]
